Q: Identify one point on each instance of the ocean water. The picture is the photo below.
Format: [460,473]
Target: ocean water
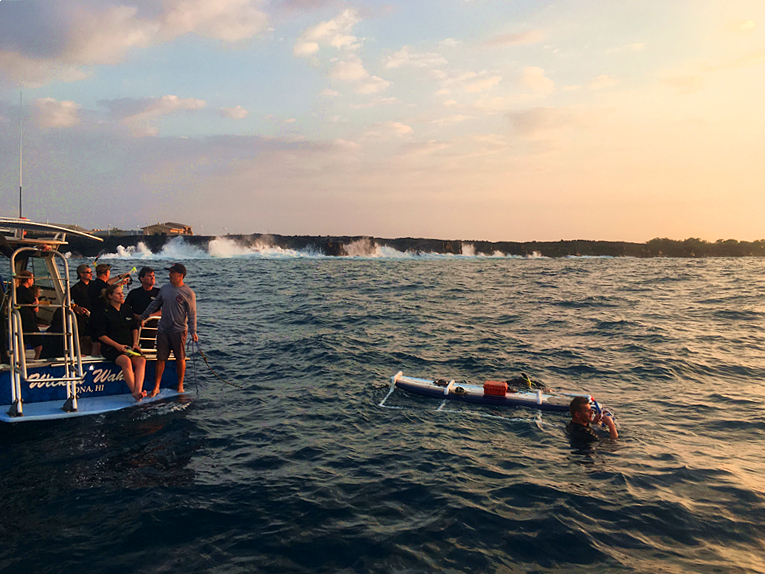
[299,469]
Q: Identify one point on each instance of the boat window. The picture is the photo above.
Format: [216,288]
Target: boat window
[41,272]
[49,295]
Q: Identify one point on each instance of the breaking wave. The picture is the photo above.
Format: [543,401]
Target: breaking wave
[266,248]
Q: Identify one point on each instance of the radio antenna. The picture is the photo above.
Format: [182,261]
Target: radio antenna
[21,139]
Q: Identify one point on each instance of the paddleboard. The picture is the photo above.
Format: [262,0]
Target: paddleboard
[482,394]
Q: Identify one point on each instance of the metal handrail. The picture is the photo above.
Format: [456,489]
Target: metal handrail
[73,371]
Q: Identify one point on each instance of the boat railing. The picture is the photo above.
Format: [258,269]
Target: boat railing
[147,337]
[73,373]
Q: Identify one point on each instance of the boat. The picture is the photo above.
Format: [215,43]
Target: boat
[70,385]
[495,393]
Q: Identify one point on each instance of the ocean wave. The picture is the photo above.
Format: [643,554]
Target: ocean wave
[226,247]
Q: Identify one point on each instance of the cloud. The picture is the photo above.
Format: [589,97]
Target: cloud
[34,73]
[415,59]
[237,113]
[499,104]
[753,59]
[51,113]
[684,84]
[136,115]
[327,93]
[602,81]
[375,103]
[742,27]
[483,84]
[334,33]
[534,121]
[449,120]
[548,124]
[371,85]
[385,130]
[517,39]
[228,20]
[535,79]
[636,47]
[418,149]
[39,47]
[452,77]
[351,70]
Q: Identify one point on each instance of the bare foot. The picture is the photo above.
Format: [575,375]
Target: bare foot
[154,392]
[180,388]
[139,396]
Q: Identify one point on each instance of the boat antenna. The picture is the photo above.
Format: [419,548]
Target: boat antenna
[21,139]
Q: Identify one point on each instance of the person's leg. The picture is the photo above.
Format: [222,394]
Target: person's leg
[124,363]
[139,370]
[179,349]
[180,367]
[163,352]
[158,370]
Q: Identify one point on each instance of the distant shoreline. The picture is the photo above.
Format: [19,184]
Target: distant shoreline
[356,245]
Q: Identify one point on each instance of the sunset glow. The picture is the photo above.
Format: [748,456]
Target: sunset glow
[470,119]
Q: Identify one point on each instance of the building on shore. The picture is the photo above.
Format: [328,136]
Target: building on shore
[168,228]
[114,232]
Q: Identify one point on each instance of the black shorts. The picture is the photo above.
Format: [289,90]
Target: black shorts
[110,353]
[171,341]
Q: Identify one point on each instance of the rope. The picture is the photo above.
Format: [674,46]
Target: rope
[204,358]
[194,362]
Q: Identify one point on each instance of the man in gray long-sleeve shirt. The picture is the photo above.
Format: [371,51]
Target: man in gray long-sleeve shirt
[179,316]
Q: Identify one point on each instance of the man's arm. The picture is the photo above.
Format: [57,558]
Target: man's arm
[608,420]
[193,316]
[153,306]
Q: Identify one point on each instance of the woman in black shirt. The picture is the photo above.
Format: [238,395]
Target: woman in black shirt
[117,330]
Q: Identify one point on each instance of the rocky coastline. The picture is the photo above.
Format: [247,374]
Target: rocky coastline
[361,245]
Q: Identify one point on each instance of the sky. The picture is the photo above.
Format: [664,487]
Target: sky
[499,120]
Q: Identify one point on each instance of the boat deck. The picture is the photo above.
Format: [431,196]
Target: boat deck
[51,410]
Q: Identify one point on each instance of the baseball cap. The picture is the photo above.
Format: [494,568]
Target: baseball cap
[178,268]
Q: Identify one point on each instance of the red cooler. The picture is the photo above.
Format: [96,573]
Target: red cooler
[495,388]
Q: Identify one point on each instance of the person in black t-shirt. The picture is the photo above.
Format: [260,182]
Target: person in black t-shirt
[579,430]
[27,300]
[97,286]
[95,290]
[81,306]
[141,297]
[117,330]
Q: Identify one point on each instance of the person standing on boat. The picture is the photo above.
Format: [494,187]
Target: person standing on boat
[102,281]
[579,429]
[117,330]
[141,297]
[26,299]
[81,306]
[179,317]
